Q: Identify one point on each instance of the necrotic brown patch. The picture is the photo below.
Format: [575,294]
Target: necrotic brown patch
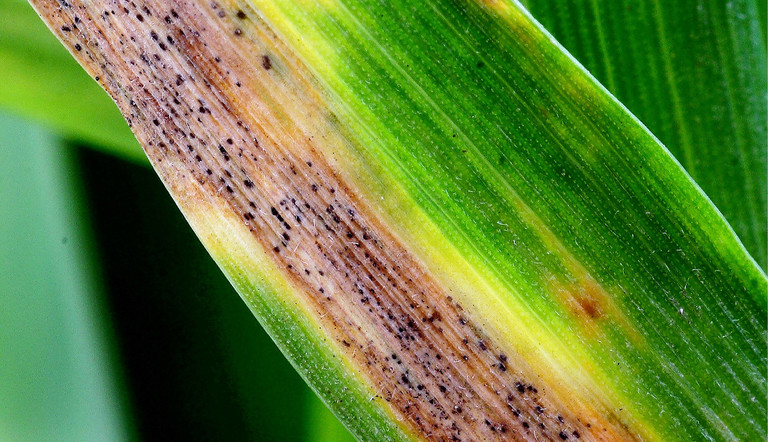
[218,104]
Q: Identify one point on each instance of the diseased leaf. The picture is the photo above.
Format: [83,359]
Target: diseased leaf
[450,229]
[694,72]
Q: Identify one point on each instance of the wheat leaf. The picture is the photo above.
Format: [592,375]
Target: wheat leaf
[448,226]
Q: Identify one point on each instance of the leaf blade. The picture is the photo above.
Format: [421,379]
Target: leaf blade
[565,270]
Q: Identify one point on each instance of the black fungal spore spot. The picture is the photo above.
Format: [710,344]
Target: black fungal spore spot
[224,152]
[266,62]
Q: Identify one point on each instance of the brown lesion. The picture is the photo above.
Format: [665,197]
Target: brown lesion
[584,299]
[591,306]
[197,82]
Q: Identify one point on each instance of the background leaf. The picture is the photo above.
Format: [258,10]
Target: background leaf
[694,72]
[60,378]
[41,81]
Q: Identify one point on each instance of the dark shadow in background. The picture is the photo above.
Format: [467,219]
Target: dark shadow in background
[197,364]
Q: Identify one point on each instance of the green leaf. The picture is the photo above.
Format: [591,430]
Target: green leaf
[447,225]
[58,380]
[40,81]
[693,72]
